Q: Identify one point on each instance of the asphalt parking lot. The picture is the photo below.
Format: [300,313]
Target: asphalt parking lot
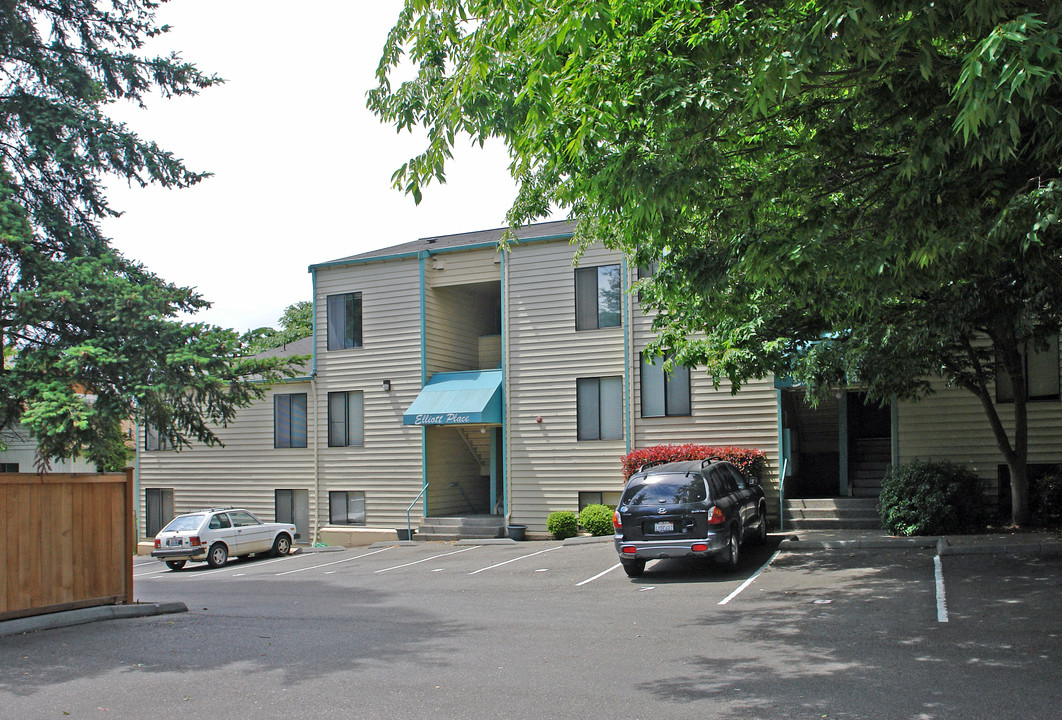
[541,630]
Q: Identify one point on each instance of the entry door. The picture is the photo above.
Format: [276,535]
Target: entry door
[293,506]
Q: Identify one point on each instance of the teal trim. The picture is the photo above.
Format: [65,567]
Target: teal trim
[628,372]
[313,279]
[505,446]
[423,256]
[493,468]
[783,452]
[895,432]
[842,442]
[784,383]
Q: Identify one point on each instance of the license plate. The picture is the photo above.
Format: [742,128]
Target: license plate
[173,542]
[664,527]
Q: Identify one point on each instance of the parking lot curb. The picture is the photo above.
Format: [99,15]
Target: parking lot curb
[1040,549]
[795,544]
[587,540]
[87,615]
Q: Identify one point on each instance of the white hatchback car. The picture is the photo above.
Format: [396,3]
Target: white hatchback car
[217,534]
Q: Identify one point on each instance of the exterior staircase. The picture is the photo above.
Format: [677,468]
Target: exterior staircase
[870,460]
[478,445]
[855,513]
[460,527]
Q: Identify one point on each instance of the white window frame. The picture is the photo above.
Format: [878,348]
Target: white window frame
[598,419]
[590,297]
[286,423]
[655,380]
[343,321]
[340,500]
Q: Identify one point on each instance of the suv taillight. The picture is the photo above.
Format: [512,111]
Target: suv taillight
[616,523]
[717,517]
[194,540]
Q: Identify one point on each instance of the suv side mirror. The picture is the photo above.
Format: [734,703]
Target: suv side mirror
[753,480]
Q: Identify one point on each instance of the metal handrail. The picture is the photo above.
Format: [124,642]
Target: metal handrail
[409,530]
[781,496]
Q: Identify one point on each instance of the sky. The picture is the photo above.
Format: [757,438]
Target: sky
[301,168]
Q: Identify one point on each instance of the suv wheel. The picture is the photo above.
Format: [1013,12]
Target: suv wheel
[733,553]
[634,568]
[761,532]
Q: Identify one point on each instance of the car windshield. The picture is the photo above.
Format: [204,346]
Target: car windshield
[665,488]
[184,522]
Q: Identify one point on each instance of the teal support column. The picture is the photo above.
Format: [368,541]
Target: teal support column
[842,442]
[423,257]
[494,432]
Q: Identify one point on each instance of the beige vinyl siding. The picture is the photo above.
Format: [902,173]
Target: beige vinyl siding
[951,424]
[388,467]
[548,465]
[464,267]
[22,449]
[243,473]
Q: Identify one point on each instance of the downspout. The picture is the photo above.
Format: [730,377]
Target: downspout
[422,256]
[316,430]
[895,454]
[136,479]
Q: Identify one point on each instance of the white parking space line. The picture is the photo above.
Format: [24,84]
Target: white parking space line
[595,577]
[748,582]
[417,562]
[942,603]
[157,571]
[336,562]
[522,557]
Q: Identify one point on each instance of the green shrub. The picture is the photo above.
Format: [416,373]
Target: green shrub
[1045,500]
[925,497]
[597,519]
[562,524]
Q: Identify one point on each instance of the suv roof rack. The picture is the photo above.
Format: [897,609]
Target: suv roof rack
[654,463]
[708,461]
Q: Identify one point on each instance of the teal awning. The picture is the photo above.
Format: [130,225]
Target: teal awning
[458,398]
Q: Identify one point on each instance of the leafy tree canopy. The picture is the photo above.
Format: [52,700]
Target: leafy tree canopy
[91,338]
[296,323]
[856,191]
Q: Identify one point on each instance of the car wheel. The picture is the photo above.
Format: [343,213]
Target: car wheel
[175,564]
[733,552]
[218,555]
[282,545]
[634,568]
[761,532]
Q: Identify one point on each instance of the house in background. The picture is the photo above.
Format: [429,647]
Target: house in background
[480,387]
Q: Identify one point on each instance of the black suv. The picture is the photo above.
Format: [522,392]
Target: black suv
[702,508]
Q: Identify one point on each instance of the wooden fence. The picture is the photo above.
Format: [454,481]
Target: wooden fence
[68,542]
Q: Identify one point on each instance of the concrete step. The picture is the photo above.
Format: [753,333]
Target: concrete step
[832,503]
[462,527]
[825,524]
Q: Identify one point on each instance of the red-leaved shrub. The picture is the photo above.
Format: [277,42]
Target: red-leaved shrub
[751,460]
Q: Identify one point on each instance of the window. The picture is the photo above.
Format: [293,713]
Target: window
[289,420]
[8,467]
[345,419]
[598,298]
[1041,374]
[344,321]
[158,509]
[219,522]
[242,518]
[599,408]
[599,498]
[152,439]
[346,507]
[664,394]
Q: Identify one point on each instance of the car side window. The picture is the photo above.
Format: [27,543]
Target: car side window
[721,479]
[219,521]
[738,477]
[243,519]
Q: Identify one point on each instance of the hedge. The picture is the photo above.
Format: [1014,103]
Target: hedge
[751,460]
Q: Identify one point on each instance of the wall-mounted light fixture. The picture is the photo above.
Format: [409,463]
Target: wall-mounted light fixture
[387,385]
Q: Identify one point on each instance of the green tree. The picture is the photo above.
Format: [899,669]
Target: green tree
[89,337]
[296,323]
[842,192]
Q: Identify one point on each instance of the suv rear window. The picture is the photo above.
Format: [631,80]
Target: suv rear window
[674,488]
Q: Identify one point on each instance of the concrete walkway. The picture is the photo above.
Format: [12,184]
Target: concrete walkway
[1003,543]
[87,615]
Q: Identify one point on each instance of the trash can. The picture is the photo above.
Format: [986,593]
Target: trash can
[516,532]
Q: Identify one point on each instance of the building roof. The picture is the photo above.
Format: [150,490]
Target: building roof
[538,231]
[302,346]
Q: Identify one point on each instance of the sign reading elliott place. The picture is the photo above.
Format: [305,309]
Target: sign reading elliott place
[442,419]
